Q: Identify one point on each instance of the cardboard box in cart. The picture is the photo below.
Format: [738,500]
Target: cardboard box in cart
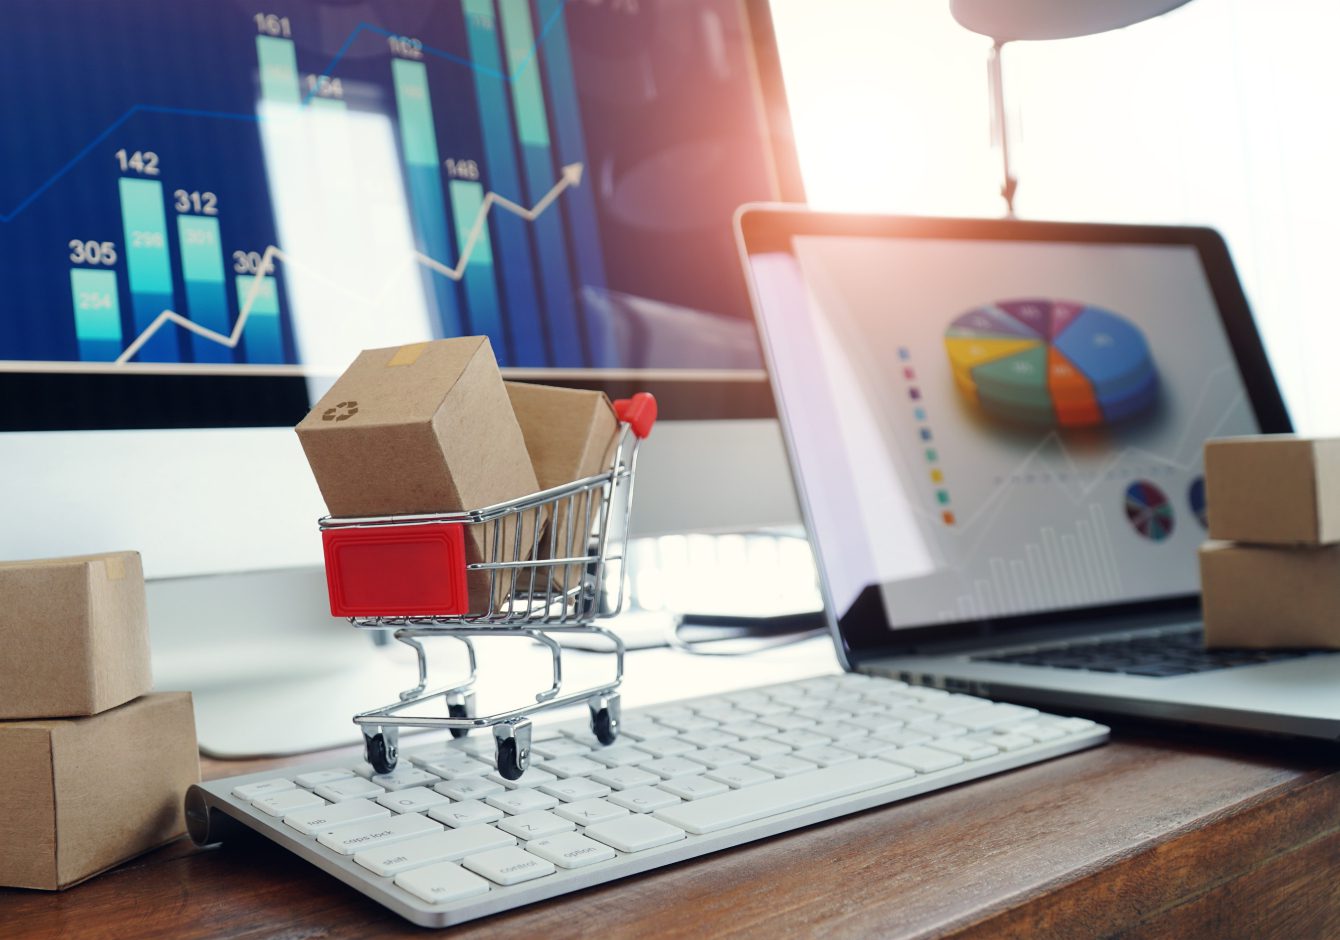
[570,434]
[83,794]
[420,429]
[74,635]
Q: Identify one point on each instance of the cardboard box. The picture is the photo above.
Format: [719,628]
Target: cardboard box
[79,795]
[74,635]
[424,428]
[1265,596]
[570,434]
[1275,489]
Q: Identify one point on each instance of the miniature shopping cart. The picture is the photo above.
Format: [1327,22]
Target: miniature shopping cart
[547,563]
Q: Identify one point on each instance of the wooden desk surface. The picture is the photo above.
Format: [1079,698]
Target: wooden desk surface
[1153,834]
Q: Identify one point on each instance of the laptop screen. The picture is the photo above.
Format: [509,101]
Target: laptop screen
[988,428]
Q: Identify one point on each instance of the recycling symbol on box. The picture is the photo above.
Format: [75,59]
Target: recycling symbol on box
[341,412]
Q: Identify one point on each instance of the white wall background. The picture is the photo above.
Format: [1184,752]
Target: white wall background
[1223,113]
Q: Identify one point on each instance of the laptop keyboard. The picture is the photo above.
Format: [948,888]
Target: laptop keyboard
[1162,655]
[444,839]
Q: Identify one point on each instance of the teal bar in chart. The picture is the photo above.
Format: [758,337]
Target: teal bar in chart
[261,334]
[418,142]
[570,147]
[481,289]
[206,286]
[523,316]
[97,314]
[279,70]
[149,264]
[541,174]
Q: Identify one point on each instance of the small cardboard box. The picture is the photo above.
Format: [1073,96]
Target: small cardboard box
[569,434]
[1274,489]
[424,428]
[74,634]
[80,795]
[1266,596]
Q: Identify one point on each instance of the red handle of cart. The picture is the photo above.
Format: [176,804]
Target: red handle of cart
[638,412]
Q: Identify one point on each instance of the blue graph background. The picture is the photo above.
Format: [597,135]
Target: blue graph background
[634,267]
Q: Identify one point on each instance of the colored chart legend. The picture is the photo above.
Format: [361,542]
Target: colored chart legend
[1052,363]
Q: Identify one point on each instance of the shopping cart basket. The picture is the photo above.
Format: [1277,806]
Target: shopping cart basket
[547,563]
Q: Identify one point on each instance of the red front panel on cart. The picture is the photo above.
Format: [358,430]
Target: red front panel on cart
[396,571]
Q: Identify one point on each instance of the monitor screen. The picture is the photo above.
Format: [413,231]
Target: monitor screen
[993,428]
[204,205]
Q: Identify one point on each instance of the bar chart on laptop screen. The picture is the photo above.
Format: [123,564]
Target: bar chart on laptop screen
[214,188]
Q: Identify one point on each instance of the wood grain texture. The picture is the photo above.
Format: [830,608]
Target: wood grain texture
[1148,836]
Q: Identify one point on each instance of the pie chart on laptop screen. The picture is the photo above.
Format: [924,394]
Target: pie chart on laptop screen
[1052,363]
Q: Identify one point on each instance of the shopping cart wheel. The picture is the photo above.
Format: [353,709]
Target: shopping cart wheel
[460,705]
[512,747]
[606,716]
[380,748]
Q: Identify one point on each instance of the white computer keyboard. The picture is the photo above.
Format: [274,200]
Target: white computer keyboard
[445,839]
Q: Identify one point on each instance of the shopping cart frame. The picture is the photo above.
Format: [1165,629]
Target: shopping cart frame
[528,597]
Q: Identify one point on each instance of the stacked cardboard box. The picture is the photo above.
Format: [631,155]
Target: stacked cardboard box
[95,767]
[432,427]
[1270,577]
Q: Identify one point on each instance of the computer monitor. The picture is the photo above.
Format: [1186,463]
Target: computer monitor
[206,210]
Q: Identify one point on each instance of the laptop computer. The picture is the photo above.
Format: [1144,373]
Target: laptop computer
[996,430]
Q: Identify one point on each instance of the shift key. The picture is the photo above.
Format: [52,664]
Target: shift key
[320,818]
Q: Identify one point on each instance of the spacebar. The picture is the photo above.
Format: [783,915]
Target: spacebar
[782,796]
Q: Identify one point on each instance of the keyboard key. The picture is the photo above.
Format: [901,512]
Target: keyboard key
[739,777]
[761,747]
[937,728]
[446,846]
[779,796]
[667,747]
[715,757]
[509,866]
[588,812]
[714,738]
[784,765]
[281,804]
[668,768]
[620,755]
[469,788]
[694,788]
[570,767]
[644,729]
[1072,725]
[559,747]
[623,778]
[827,756]
[643,799]
[966,748]
[318,819]
[458,769]
[635,833]
[954,703]
[533,777]
[837,732]
[1009,741]
[924,760]
[251,791]
[466,813]
[413,800]
[790,721]
[689,723]
[404,777]
[570,850]
[904,738]
[523,800]
[795,740]
[1038,732]
[318,777]
[991,716]
[350,839]
[445,881]
[749,729]
[355,788]
[580,788]
[536,825]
